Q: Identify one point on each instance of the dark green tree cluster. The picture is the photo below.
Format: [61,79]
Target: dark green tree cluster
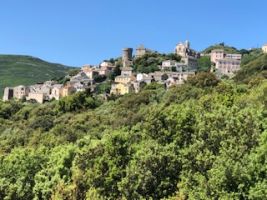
[205,139]
[150,62]
[222,45]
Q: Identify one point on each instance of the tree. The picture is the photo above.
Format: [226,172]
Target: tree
[152,173]
[203,79]
[204,63]
[55,175]
[17,173]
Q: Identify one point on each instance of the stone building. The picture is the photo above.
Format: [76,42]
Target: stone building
[106,68]
[38,97]
[67,90]
[172,65]
[146,78]
[20,92]
[123,83]
[127,57]
[264,48]
[216,54]
[56,91]
[141,51]
[8,94]
[235,56]
[86,73]
[179,77]
[126,71]
[227,66]
[188,56]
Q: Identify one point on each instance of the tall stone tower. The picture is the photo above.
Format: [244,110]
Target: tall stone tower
[127,56]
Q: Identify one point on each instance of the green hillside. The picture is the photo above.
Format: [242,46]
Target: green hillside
[205,139]
[254,65]
[227,49]
[16,70]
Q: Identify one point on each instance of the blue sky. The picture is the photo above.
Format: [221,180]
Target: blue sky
[77,32]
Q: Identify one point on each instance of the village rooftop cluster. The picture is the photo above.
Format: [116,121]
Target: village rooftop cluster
[171,73]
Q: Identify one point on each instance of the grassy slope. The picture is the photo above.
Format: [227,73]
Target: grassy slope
[16,70]
[255,67]
[227,49]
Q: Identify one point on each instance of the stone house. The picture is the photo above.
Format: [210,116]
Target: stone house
[20,92]
[56,91]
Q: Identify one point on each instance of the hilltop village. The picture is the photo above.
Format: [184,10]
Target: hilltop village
[124,79]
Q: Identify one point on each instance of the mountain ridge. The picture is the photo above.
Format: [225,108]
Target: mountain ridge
[27,70]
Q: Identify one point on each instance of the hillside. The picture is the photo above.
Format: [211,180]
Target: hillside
[254,65]
[205,139]
[16,70]
[227,49]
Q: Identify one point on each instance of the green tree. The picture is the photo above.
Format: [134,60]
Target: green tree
[204,63]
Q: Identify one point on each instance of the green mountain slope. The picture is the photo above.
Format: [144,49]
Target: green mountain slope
[205,139]
[227,49]
[255,67]
[16,70]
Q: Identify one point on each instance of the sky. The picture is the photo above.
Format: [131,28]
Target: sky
[78,32]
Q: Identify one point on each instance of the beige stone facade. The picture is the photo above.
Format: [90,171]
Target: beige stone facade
[216,54]
[123,83]
[21,92]
[188,56]
[264,48]
[141,51]
[8,93]
[38,97]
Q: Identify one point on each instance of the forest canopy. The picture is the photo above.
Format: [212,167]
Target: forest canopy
[205,139]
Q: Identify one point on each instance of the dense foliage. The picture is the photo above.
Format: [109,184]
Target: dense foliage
[254,67]
[206,139]
[150,62]
[204,63]
[226,48]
